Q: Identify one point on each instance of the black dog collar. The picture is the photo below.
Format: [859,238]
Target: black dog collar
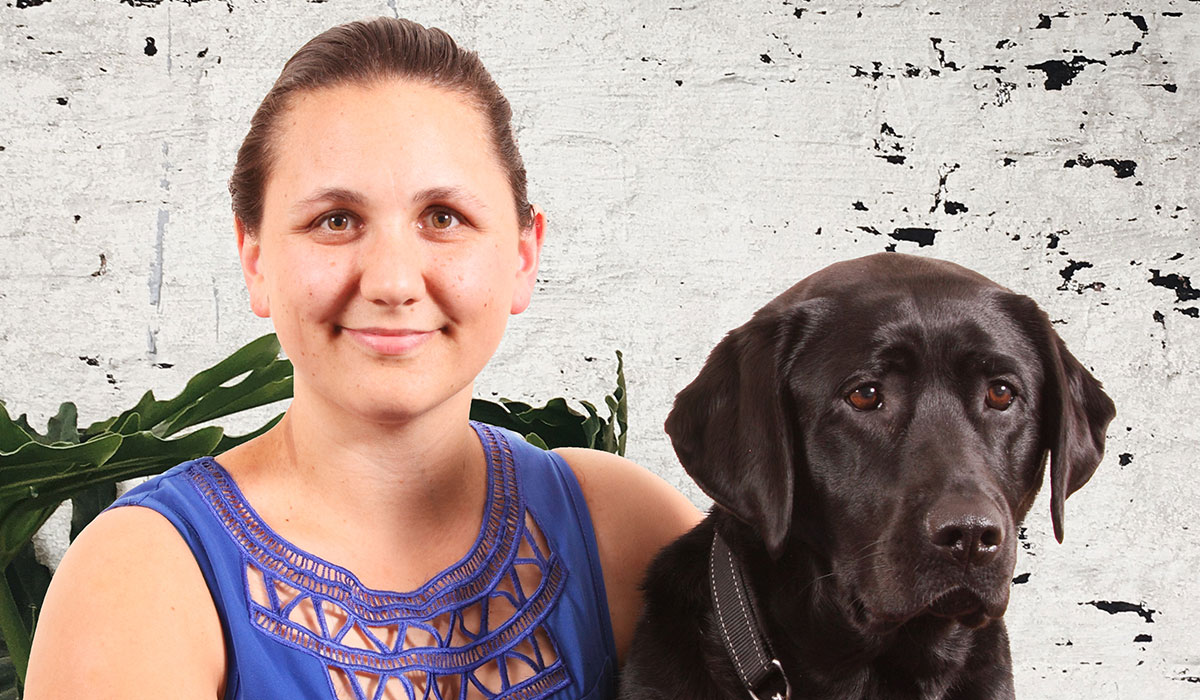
[741,627]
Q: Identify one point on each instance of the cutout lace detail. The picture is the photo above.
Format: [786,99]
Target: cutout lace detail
[475,631]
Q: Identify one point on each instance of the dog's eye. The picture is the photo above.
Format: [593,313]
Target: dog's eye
[865,398]
[1000,396]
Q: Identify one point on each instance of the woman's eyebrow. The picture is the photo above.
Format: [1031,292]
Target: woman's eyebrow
[449,194]
[332,194]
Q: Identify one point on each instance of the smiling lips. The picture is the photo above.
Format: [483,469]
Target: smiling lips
[389,341]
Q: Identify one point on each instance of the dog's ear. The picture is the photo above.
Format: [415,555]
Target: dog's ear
[1074,427]
[730,427]
[1075,412]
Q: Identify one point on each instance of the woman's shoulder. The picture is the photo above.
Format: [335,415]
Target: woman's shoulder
[635,513]
[616,486]
[130,583]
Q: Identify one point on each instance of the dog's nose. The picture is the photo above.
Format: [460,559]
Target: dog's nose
[969,531]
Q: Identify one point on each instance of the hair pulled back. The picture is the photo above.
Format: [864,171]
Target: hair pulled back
[365,52]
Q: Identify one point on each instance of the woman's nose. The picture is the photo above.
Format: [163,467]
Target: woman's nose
[392,267]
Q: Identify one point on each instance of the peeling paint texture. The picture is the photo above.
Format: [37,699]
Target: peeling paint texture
[695,159]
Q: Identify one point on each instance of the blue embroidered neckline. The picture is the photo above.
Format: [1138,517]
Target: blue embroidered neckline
[475,630]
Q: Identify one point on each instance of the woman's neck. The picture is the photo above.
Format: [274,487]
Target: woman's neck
[395,501]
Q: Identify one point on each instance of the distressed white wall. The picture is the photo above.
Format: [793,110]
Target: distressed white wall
[695,158]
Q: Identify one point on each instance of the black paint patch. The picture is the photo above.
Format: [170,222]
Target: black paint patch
[1169,87]
[111,379]
[1160,318]
[1175,256]
[765,58]
[22,4]
[103,270]
[875,73]
[1060,73]
[921,236]
[954,207]
[994,69]
[1054,239]
[150,49]
[888,146]
[1136,45]
[1124,459]
[943,175]
[799,12]
[1005,44]
[1009,161]
[1122,168]
[163,365]
[1143,638]
[1112,607]
[142,3]
[91,361]
[1138,20]
[1193,311]
[942,54]
[1180,284]
[1069,271]
[860,206]
[202,52]
[1172,14]
[61,100]
[1021,578]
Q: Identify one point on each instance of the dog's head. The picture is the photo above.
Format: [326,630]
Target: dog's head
[892,415]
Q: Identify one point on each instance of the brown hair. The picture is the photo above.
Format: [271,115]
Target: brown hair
[364,52]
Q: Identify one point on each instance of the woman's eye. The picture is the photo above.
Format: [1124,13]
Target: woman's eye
[865,398]
[441,219]
[337,222]
[999,396]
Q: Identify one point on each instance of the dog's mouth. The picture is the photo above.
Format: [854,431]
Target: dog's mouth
[964,606]
[960,604]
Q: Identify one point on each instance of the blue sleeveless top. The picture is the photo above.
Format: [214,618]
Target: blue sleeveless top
[522,615]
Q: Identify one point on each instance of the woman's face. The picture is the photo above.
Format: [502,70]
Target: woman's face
[389,256]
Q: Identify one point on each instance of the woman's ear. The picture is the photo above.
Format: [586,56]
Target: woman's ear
[529,251]
[250,252]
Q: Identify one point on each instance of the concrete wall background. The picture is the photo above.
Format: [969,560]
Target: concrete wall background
[695,159]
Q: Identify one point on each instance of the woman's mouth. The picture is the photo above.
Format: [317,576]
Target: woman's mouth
[389,341]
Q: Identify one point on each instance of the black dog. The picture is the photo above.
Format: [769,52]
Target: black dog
[871,438]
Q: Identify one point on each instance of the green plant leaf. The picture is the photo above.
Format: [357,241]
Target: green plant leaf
[27,579]
[61,427]
[533,439]
[88,503]
[228,442]
[256,354]
[556,424]
[12,435]
[17,638]
[23,470]
[262,386]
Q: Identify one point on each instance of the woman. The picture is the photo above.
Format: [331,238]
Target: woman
[382,225]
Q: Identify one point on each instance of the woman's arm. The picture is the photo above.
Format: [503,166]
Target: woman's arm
[128,615]
[635,514]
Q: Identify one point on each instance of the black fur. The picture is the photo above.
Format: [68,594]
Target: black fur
[880,543]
